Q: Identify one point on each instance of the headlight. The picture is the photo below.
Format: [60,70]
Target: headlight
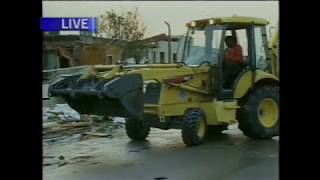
[193,24]
[211,21]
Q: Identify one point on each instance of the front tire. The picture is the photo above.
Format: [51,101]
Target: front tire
[194,127]
[136,129]
[259,113]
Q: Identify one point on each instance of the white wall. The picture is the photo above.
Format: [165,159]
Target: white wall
[163,47]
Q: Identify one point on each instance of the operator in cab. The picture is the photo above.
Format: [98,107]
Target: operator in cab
[233,61]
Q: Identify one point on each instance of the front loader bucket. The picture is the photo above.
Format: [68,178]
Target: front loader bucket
[121,96]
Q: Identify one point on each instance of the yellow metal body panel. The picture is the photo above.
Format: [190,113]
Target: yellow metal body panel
[173,95]
[194,90]
[158,72]
[216,112]
[190,88]
[161,74]
[243,20]
[240,20]
[176,99]
[245,82]
[226,111]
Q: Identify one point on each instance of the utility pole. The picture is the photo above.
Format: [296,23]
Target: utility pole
[169,42]
[120,20]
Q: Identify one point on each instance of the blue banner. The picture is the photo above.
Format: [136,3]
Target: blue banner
[69,24]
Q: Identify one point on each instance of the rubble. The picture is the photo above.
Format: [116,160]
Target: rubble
[118,122]
[63,126]
[60,113]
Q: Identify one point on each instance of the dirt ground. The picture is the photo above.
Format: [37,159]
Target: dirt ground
[162,156]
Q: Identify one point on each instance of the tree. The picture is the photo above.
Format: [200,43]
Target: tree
[126,27]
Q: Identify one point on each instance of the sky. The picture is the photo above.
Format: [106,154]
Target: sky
[154,13]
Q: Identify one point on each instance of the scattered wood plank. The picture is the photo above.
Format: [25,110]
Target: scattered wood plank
[68,125]
[86,118]
[74,125]
[55,130]
[54,137]
[96,134]
[49,124]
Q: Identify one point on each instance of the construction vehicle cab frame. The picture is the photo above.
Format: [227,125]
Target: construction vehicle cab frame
[191,95]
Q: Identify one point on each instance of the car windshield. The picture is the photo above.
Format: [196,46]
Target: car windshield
[203,45]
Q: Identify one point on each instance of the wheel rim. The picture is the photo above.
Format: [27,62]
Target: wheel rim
[268,112]
[201,128]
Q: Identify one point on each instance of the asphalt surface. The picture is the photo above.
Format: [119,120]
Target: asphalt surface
[230,156]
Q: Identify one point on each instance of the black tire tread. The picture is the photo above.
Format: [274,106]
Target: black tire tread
[247,116]
[189,127]
[136,129]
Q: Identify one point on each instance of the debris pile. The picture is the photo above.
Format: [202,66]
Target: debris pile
[63,126]
[60,113]
[62,120]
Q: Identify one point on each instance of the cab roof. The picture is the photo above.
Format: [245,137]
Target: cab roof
[230,20]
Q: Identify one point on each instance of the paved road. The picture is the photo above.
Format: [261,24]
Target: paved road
[231,156]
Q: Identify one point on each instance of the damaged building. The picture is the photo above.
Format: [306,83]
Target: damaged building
[63,51]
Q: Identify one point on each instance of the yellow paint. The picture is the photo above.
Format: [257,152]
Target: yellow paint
[194,90]
[226,111]
[163,65]
[216,112]
[199,83]
[201,130]
[161,74]
[245,82]
[101,67]
[268,112]
[240,20]
[190,88]
[199,79]
[110,74]
[172,95]
[92,72]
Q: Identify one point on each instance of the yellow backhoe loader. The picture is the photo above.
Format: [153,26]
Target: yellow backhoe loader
[192,94]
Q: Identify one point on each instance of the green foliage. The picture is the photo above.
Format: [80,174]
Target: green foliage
[127,27]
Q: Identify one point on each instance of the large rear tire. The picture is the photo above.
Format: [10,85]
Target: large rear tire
[258,115]
[136,129]
[194,127]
